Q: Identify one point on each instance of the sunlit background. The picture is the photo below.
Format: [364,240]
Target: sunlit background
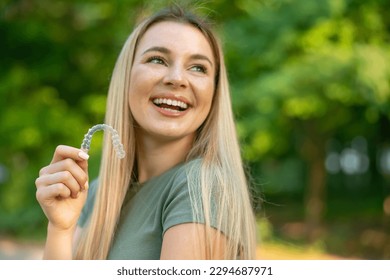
[310,85]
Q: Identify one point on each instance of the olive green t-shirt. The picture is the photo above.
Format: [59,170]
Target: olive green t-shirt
[148,211]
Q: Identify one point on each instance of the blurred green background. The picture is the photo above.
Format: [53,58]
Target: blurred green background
[311,92]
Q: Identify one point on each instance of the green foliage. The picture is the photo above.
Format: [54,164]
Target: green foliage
[293,63]
[56,62]
[304,74]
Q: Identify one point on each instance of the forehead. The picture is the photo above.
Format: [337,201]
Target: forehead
[176,36]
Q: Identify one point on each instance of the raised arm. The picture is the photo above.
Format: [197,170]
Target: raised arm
[187,242]
[62,192]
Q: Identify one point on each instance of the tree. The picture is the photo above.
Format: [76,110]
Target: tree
[307,72]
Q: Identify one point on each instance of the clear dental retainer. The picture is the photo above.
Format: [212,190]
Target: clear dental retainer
[120,152]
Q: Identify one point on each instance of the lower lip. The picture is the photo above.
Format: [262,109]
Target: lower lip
[168,113]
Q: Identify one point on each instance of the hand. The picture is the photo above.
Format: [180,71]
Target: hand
[62,187]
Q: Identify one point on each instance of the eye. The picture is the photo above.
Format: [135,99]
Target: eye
[156,60]
[199,68]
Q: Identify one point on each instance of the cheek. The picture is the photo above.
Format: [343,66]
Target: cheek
[142,81]
[138,86]
[134,94]
[207,96]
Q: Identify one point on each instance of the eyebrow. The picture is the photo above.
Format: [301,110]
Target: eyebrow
[167,51]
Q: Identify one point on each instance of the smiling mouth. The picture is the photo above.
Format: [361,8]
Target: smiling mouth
[170,104]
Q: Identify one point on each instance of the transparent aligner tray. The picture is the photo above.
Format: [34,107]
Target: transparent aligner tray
[120,152]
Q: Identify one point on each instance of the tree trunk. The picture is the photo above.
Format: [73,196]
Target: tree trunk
[315,196]
[315,199]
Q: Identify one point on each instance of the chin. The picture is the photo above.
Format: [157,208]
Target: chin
[171,135]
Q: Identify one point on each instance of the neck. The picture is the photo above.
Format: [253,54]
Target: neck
[154,157]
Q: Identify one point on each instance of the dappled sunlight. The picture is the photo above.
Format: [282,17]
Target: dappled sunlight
[386,206]
[310,92]
[279,251]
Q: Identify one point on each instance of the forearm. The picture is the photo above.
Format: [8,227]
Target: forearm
[58,244]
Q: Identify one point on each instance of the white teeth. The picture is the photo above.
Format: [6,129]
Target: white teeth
[170,102]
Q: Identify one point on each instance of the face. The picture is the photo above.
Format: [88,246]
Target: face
[172,81]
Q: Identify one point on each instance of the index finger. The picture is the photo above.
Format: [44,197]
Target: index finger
[62,152]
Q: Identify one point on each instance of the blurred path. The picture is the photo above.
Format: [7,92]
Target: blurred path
[16,250]
[281,252]
[26,250]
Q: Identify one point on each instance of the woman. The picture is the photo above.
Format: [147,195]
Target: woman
[181,192]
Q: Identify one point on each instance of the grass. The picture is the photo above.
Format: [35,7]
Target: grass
[352,228]
[284,251]
[271,247]
[276,250]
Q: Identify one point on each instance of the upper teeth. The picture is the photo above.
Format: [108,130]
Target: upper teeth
[180,104]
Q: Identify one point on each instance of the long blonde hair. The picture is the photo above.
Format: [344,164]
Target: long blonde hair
[221,177]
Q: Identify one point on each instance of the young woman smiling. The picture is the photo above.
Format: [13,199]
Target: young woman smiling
[181,192]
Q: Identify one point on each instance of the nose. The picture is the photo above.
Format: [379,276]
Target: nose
[175,77]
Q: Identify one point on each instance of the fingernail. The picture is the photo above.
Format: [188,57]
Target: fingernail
[83,155]
[86,186]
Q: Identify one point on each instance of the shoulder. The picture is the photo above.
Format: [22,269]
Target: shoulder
[178,198]
[178,180]
[187,170]
[185,180]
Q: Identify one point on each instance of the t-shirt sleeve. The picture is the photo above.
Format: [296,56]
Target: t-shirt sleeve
[178,208]
[88,207]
